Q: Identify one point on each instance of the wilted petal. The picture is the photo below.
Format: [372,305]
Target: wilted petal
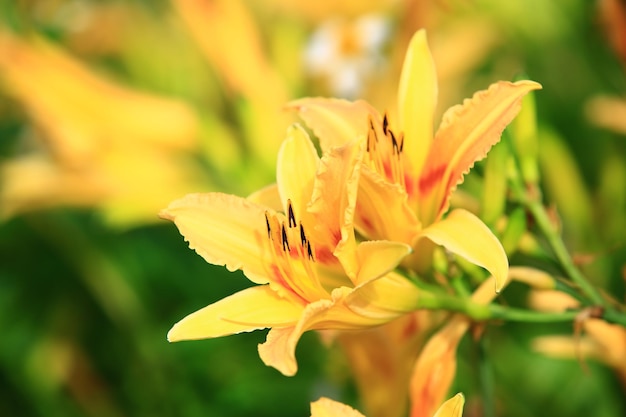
[251,309]
[335,122]
[452,408]
[224,230]
[466,134]
[325,407]
[466,235]
[417,99]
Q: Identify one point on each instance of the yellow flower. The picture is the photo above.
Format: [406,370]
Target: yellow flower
[409,173]
[105,145]
[325,407]
[296,241]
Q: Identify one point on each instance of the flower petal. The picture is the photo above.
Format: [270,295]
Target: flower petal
[325,407]
[234,314]
[378,257]
[466,235]
[333,202]
[296,168]
[452,408]
[268,197]
[279,349]
[466,134]
[417,99]
[385,298]
[382,211]
[335,122]
[224,230]
[435,368]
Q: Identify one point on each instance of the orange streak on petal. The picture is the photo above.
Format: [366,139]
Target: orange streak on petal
[466,134]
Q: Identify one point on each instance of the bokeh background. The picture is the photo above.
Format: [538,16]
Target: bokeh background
[111,109]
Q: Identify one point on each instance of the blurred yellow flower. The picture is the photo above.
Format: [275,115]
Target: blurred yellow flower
[105,145]
[296,241]
[409,175]
[325,407]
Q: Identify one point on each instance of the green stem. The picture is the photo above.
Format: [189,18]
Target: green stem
[530,316]
[560,251]
[481,312]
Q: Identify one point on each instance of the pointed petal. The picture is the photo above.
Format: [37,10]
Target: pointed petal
[296,168]
[378,257]
[385,298]
[268,197]
[224,230]
[435,368]
[382,211]
[333,202]
[335,122]
[466,134]
[466,235]
[234,314]
[325,407]
[417,99]
[279,349]
[452,408]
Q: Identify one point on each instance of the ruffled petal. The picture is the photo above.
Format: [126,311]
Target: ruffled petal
[333,203]
[234,314]
[296,168]
[224,230]
[452,408]
[466,235]
[466,134]
[377,257]
[325,407]
[382,211]
[335,122]
[417,99]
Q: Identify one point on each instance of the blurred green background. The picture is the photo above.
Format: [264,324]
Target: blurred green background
[111,109]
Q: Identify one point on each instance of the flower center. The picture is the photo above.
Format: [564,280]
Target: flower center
[293,256]
[385,156]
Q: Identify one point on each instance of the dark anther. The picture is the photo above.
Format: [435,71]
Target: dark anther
[401,141]
[292,217]
[309,251]
[394,143]
[302,235]
[267,223]
[284,239]
[385,124]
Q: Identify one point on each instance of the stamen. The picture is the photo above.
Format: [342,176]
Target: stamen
[267,223]
[302,235]
[285,241]
[310,251]
[292,217]
[385,123]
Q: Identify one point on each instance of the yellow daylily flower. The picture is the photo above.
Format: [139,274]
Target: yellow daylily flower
[409,173]
[325,407]
[106,145]
[295,241]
